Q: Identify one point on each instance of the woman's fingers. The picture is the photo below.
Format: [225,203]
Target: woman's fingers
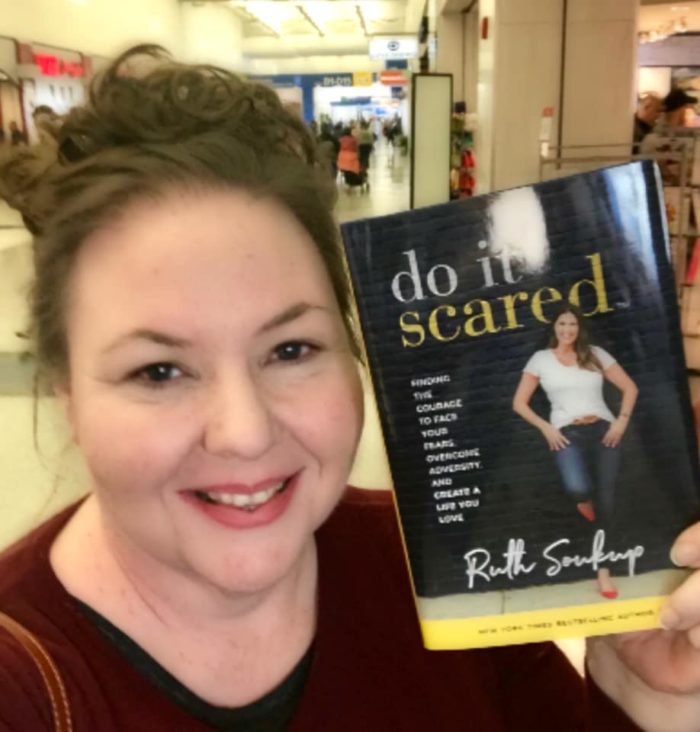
[558,443]
[686,548]
[555,439]
[612,438]
[682,611]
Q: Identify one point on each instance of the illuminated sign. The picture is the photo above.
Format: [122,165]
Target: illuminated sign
[53,66]
[392,77]
[393,47]
[336,80]
[362,78]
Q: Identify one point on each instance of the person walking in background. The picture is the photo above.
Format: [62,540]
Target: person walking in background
[329,146]
[348,159]
[16,135]
[365,145]
[46,122]
[648,111]
[678,109]
[677,116]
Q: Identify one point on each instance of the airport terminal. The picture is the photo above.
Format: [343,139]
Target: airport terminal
[409,104]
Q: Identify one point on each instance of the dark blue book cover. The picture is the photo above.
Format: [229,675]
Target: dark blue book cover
[543,456]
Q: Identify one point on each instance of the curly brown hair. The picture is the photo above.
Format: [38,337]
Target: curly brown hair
[152,126]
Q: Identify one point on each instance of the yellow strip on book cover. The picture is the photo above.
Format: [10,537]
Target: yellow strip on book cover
[541,625]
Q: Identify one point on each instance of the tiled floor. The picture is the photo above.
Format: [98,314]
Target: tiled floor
[389,177]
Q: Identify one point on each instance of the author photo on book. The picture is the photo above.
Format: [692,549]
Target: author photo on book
[581,430]
[191,313]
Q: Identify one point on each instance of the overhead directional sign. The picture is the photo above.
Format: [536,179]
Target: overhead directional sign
[393,47]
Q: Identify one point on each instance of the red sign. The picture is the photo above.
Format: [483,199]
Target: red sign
[53,66]
[392,77]
[484,28]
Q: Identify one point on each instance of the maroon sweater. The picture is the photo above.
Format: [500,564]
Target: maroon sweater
[369,670]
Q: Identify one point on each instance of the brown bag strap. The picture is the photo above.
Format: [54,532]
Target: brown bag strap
[47,669]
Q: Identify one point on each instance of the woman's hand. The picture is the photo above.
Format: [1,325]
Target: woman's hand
[554,437]
[613,436]
[655,675]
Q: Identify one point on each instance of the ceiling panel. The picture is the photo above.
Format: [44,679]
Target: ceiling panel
[320,17]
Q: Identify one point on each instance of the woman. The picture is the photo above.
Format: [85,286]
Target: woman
[581,431]
[191,310]
[348,160]
[365,143]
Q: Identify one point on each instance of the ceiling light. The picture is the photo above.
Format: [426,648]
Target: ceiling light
[273,14]
[321,11]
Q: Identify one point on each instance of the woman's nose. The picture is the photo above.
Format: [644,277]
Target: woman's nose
[239,420]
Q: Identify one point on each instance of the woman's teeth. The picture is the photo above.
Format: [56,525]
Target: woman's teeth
[245,501]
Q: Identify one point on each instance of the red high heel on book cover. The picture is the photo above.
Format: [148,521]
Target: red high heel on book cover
[586,510]
[605,585]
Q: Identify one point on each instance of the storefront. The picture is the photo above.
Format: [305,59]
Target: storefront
[370,96]
[344,97]
[10,99]
[49,76]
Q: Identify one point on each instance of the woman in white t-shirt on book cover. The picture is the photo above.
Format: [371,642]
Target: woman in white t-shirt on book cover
[582,432]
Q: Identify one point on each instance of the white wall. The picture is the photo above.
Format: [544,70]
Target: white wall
[470,39]
[519,74]
[485,94]
[600,96]
[101,27]
[36,480]
[211,34]
[654,79]
[528,74]
[208,33]
[450,54]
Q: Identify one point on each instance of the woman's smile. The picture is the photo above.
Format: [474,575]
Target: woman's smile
[244,506]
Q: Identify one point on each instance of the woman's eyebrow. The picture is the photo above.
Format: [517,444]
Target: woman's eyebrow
[164,339]
[154,336]
[289,314]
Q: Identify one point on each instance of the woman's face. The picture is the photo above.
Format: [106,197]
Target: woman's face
[212,392]
[566,329]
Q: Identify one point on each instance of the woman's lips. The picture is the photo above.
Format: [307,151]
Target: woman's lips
[244,506]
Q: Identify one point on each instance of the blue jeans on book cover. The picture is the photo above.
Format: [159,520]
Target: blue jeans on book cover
[589,469]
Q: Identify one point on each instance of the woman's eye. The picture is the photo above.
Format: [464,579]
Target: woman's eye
[157,374]
[293,351]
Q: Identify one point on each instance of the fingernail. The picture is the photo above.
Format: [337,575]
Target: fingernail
[668,619]
[684,554]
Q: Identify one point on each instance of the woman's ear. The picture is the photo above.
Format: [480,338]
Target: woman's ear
[62,392]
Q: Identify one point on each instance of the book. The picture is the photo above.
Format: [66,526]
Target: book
[677,210]
[674,150]
[692,271]
[453,302]
[696,207]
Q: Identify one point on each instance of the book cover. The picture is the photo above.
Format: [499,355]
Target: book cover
[454,301]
